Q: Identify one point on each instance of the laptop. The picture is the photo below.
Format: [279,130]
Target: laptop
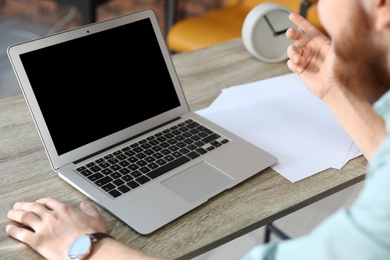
[115,123]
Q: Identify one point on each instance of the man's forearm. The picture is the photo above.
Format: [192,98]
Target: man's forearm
[111,249]
[358,118]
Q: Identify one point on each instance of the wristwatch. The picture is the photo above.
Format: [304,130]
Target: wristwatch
[82,246]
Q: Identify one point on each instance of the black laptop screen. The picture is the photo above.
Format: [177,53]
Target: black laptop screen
[100,84]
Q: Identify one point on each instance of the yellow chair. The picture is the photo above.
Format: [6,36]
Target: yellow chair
[226,23]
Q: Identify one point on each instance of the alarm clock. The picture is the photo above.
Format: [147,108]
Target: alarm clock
[264,32]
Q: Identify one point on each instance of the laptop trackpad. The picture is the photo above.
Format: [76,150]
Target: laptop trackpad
[198,181]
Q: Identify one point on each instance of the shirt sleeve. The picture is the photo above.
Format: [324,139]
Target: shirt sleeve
[360,232]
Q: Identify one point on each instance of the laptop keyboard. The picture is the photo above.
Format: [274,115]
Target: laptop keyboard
[128,168]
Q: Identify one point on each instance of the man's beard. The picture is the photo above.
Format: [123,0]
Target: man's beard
[360,65]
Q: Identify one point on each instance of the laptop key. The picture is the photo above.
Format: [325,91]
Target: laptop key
[161,162]
[112,160]
[152,165]
[133,167]
[193,155]
[169,158]
[116,175]
[201,150]
[108,187]
[124,188]
[124,163]
[127,178]
[103,181]
[216,144]
[132,184]
[181,144]
[224,141]
[114,193]
[117,152]
[210,138]
[91,164]
[104,164]
[177,154]
[204,129]
[167,167]
[106,171]
[144,169]
[158,155]
[95,176]
[192,124]
[121,157]
[82,168]
[143,179]
[124,171]
[95,168]
[118,182]
[136,174]
[192,147]
[129,153]
[132,159]
[86,173]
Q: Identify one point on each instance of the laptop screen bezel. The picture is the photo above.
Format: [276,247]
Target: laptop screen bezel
[56,160]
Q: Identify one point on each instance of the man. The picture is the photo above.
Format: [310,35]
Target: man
[349,74]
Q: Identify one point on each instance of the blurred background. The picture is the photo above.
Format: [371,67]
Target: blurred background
[22,20]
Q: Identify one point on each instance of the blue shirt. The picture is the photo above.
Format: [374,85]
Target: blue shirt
[359,232]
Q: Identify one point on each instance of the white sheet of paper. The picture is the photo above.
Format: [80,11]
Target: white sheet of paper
[282,117]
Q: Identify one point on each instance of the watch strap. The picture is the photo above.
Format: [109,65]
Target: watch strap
[98,236]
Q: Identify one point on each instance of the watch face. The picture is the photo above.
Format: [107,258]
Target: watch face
[264,32]
[80,248]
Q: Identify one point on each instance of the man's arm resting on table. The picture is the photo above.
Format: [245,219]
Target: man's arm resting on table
[109,248]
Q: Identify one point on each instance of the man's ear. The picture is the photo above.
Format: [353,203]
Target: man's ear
[381,14]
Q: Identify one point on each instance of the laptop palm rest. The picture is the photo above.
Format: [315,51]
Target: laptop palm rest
[198,182]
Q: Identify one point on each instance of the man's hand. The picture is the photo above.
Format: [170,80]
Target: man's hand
[311,57]
[49,226]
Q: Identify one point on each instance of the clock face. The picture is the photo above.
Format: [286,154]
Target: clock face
[269,35]
[264,32]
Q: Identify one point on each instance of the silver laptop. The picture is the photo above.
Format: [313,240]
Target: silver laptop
[115,123]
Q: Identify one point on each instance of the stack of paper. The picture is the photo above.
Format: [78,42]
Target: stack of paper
[282,117]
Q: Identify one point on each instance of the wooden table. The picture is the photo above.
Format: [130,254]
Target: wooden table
[26,173]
